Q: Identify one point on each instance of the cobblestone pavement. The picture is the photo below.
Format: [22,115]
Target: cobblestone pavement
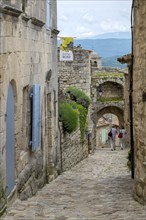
[98,188]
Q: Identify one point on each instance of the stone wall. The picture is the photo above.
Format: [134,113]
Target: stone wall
[127,73]
[111,83]
[139,100]
[72,150]
[28,56]
[76,73]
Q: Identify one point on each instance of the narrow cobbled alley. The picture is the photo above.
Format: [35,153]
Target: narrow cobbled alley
[98,188]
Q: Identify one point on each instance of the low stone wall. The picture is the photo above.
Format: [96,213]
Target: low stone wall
[72,150]
[32,177]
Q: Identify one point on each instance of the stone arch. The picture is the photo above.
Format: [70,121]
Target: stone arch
[13,83]
[109,109]
[111,89]
[107,85]
[110,79]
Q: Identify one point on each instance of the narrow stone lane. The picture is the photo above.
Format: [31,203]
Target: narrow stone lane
[98,188]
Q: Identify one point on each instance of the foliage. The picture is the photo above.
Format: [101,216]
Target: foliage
[82,117]
[109,99]
[74,109]
[103,75]
[129,160]
[68,116]
[78,96]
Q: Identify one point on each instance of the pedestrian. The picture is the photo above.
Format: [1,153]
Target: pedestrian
[122,137]
[112,137]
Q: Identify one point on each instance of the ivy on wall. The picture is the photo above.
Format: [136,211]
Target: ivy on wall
[103,75]
[73,109]
[78,96]
[68,116]
[82,117]
[109,99]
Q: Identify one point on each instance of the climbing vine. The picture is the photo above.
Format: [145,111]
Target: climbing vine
[109,99]
[78,96]
[74,109]
[68,116]
[82,117]
[103,75]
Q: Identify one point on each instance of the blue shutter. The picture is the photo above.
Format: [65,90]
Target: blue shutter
[48,14]
[35,116]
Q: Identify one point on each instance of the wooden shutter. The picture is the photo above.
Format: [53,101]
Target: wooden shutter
[35,116]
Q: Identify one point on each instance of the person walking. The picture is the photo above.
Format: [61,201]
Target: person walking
[114,133]
[122,137]
[112,137]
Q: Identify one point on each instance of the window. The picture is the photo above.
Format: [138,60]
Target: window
[48,15]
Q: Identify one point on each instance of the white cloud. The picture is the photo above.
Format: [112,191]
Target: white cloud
[84,18]
[89,18]
[113,26]
[64,18]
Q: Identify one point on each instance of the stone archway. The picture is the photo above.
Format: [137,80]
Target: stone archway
[112,110]
[99,113]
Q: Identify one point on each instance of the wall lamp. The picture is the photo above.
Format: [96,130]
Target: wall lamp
[100,92]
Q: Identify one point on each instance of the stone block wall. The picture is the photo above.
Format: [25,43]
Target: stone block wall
[139,104]
[76,73]
[72,150]
[28,54]
[111,86]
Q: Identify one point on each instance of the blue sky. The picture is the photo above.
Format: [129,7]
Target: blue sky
[88,18]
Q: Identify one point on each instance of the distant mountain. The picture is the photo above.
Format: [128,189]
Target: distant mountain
[112,62]
[114,35]
[109,48]
[106,47]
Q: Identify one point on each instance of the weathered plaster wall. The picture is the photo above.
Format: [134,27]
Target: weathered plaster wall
[27,53]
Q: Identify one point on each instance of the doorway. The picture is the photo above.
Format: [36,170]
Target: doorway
[10,142]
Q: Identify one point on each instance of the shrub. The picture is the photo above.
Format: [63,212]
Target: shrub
[82,117]
[68,116]
[78,96]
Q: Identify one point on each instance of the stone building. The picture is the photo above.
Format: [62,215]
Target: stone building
[136,98]
[76,73]
[126,59]
[139,98]
[96,62]
[29,145]
[107,94]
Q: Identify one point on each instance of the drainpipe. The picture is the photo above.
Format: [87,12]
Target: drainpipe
[131,98]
